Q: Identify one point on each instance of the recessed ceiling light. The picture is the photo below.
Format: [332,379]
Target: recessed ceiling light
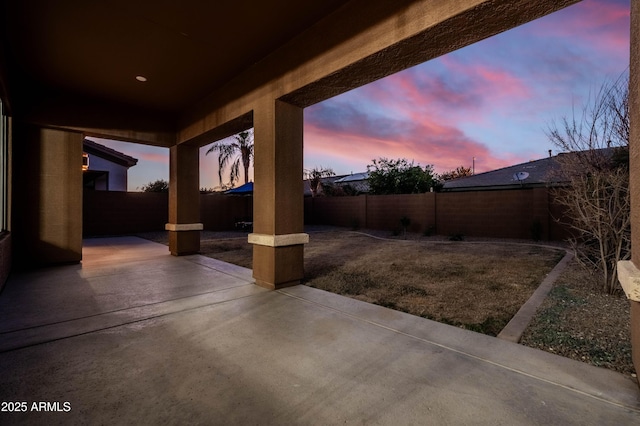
[141,78]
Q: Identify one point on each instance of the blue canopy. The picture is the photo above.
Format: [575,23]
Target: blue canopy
[245,189]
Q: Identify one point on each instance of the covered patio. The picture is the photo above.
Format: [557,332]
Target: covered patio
[124,332]
[134,335]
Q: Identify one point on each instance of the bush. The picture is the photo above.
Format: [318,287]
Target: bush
[399,177]
[159,185]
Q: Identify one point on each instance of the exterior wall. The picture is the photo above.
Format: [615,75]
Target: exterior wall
[117,178]
[121,213]
[499,214]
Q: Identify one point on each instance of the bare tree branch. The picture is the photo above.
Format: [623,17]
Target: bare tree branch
[595,170]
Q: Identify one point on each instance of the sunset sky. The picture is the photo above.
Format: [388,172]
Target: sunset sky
[492,101]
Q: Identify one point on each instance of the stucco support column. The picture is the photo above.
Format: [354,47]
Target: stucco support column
[46,196]
[278,210]
[629,271]
[184,200]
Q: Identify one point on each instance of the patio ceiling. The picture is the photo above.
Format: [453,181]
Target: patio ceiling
[76,65]
[94,50]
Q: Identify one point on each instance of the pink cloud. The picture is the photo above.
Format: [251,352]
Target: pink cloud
[428,143]
[489,81]
[603,26]
[416,115]
[459,93]
[162,158]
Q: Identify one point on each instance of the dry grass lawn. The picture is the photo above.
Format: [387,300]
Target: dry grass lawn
[477,286]
[233,250]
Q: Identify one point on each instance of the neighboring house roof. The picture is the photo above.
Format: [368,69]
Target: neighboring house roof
[94,148]
[534,173]
[359,181]
[324,180]
[354,177]
[525,175]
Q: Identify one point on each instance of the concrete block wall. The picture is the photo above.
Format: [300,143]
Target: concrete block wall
[385,211]
[557,229]
[122,213]
[220,212]
[497,214]
[338,211]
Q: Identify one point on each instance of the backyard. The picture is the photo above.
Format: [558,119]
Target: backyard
[476,285]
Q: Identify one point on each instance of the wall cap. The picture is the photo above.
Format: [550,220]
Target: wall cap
[282,240]
[184,227]
[629,277]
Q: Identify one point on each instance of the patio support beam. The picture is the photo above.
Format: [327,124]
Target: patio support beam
[184,200]
[278,219]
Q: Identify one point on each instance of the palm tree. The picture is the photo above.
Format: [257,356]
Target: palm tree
[240,150]
[315,176]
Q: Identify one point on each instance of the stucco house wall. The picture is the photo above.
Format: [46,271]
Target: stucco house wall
[116,177]
[108,168]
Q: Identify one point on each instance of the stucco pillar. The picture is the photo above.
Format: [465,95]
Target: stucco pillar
[278,210]
[184,200]
[46,196]
[629,272]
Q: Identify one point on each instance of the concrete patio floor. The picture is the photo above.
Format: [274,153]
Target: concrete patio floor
[136,336]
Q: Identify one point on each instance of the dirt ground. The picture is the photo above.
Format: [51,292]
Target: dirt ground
[477,285]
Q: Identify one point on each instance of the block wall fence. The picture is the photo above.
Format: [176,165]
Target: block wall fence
[122,213]
[499,214]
